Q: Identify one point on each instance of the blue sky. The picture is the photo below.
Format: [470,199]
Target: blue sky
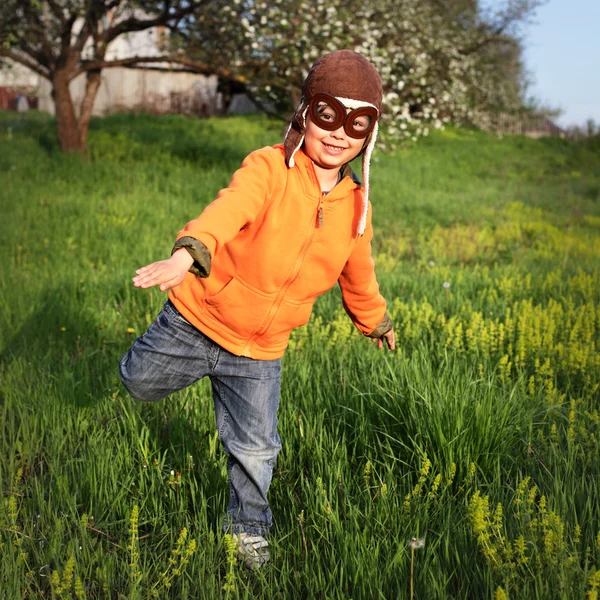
[562,56]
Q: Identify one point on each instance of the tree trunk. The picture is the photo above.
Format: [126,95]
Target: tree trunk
[93,80]
[66,120]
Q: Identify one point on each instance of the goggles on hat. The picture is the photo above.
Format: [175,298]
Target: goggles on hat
[328,113]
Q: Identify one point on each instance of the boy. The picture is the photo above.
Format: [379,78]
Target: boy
[293,222]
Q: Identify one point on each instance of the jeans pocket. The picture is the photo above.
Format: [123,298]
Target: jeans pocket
[170,315]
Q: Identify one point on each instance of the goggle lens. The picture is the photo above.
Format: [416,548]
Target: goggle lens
[330,114]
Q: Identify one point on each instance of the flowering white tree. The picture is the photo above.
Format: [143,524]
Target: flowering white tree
[440,60]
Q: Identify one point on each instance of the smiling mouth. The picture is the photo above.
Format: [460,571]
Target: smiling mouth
[333,148]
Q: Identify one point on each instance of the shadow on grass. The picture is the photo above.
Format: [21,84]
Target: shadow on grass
[63,345]
[206,143]
[180,431]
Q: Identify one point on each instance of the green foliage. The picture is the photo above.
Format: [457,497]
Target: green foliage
[478,439]
[439,61]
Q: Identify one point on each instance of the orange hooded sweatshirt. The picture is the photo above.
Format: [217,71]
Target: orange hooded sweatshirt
[277,242]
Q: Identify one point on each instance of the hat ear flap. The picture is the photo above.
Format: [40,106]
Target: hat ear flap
[366,168]
[295,134]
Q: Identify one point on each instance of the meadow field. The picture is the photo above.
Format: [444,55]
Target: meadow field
[465,465]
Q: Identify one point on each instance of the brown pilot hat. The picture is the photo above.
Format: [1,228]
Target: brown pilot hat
[353,80]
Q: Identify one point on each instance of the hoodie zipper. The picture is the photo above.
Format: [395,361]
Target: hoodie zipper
[275,307]
[315,223]
[320,211]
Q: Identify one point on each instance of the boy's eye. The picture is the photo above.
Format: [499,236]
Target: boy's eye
[326,112]
[361,123]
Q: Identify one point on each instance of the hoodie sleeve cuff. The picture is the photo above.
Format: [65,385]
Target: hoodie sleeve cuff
[198,251]
[383,327]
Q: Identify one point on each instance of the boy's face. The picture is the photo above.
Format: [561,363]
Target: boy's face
[330,149]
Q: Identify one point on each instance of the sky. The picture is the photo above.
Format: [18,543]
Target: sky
[562,57]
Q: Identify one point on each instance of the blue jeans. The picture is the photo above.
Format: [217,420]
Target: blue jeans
[172,355]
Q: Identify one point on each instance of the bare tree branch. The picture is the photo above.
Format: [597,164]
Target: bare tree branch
[67,32]
[135,24]
[57,11]
[32,14]
[134,61]
[25,61]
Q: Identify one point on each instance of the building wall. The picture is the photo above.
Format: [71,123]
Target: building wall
[144,89]
[128,89]
[15,75]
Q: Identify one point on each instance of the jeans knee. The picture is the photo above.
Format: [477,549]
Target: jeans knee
[138,386]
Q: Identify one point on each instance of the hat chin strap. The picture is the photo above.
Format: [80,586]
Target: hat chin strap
[366,168]
[291,161]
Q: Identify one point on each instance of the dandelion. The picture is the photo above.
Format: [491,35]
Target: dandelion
[63,329]
[130,330]
[415,544]
[446,286]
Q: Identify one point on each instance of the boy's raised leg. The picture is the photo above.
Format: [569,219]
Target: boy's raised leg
[170,356]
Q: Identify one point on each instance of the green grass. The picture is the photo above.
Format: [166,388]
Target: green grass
[491,400]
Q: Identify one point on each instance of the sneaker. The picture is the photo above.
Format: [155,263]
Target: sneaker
[252,549]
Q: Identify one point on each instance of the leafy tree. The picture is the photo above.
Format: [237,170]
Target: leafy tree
[62,39]
[440,60]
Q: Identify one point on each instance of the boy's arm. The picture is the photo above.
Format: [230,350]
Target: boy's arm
[198,252]
[165,273]
[236,206]
[360,291]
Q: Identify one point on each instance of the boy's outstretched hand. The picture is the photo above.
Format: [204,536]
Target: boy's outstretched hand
[165,273]
[389,337]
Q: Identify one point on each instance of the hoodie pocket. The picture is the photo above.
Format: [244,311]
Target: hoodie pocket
[291,314]
[240,307]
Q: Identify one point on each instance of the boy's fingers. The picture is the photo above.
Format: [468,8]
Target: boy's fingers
[146,269]
[171,283]
[149,279]
[391,340]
